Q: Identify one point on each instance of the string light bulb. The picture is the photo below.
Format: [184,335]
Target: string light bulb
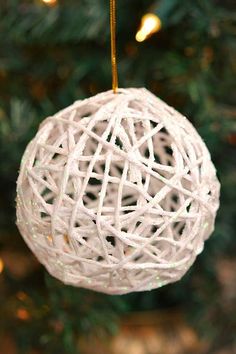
[1,265]
[22,314]
[150,23]
[50,2]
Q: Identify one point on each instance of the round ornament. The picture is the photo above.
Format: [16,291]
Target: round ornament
[117,193]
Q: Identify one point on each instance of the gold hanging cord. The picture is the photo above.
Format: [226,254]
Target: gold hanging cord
[113,45]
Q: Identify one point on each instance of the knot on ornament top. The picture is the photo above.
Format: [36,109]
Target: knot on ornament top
[117,193]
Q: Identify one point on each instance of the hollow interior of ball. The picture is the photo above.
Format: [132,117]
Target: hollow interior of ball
[127,190]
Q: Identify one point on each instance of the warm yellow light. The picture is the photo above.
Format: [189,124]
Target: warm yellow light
[50,2]
[1,265]
[150,24]
[22,314]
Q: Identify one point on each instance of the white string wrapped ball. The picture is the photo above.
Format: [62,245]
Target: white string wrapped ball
[117,193]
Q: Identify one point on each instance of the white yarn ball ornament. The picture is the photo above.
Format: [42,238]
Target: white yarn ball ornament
[117,193]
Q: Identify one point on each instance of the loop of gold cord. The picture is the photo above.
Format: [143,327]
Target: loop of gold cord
[113,45]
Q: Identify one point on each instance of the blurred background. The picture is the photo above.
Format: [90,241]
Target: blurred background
[54,52]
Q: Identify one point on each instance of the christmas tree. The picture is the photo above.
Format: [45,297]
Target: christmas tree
[55,52]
